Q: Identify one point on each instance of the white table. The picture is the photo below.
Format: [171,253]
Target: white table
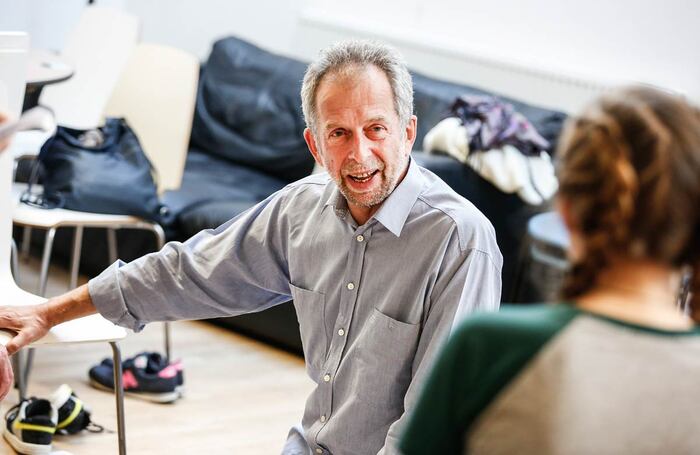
[44,68]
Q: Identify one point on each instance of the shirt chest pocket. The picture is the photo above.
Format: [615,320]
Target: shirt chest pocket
[310,308]
[386,354]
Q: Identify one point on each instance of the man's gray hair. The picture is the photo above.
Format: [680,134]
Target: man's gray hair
[351,54]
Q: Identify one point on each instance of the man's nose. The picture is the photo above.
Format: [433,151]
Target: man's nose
[361,148]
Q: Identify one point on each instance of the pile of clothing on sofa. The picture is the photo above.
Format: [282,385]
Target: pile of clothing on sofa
[499,143]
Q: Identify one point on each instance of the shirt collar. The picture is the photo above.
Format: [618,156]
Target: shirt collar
[395,208]
[336,199]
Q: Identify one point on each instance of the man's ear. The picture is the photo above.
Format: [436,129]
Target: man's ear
[411,131]
[311,143]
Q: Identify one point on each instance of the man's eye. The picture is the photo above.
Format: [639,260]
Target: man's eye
[337,133]
[377,131]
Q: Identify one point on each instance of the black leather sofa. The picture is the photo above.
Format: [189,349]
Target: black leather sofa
[247,143]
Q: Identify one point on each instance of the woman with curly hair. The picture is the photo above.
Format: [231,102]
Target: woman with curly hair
[615,367]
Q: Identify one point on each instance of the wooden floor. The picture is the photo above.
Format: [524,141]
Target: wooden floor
[241,396]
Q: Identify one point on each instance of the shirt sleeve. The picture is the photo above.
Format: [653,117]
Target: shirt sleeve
[469,282]
[238,268]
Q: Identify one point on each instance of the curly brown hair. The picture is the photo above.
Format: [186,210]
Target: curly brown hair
[629,169]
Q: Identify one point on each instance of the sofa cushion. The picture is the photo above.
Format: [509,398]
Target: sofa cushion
[249,110]
[214,190]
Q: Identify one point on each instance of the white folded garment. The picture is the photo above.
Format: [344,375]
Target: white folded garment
[448,136]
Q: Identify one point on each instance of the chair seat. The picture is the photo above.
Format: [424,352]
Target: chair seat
[88,329]
[27,143]
[32,216]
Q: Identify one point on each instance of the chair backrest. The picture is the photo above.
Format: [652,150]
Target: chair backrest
[13,73]
[156,94]
[99,48]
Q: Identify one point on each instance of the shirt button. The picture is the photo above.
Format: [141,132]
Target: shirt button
[319,451]
[360,238]
[326,377]
[351,285]
[341,332]
[323,418]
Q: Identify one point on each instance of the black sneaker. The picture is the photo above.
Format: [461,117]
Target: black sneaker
[30,426]
[155,362]
[138,379]
[73,414]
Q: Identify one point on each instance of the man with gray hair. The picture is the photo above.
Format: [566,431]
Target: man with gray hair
[380,257]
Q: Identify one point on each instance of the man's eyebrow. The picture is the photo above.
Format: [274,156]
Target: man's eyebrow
[331,125]
[378,118]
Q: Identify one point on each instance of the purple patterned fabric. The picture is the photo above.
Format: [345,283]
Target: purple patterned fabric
[492,123]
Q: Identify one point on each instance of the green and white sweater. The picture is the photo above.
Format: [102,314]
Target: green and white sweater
[553,379]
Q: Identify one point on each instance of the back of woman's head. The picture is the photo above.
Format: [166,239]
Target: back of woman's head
[629,171]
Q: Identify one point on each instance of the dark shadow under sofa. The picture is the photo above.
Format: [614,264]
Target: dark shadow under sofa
[247,143]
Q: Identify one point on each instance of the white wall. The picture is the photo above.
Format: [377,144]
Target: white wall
[650,41]
[47,21]
[621,40]
[194,25]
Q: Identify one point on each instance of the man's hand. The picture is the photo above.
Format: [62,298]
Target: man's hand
[28,322]
[33,322]
[6,376]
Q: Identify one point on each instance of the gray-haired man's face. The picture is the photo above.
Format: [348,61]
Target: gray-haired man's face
[360,140]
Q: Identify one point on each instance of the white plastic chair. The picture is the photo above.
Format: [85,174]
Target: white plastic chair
[99,48]
[84,330]
[156,94]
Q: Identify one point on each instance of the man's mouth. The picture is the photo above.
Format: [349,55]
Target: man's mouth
[363,176]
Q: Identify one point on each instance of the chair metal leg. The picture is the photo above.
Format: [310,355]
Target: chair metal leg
[112,245]
[119,396]
[45,259]
[28,366]
[75,257]
[26,241]
[20,383]
[14,261]
[160,236]
[166,329]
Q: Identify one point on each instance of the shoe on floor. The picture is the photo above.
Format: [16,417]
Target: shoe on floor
[140,379]
[73,414]
[30,426]
[155,362]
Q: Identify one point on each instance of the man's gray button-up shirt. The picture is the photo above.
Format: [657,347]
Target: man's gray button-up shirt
[374,302]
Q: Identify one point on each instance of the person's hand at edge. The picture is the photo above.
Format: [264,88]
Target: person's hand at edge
[4,142]
[7,377]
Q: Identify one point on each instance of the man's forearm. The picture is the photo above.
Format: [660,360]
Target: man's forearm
[32,322]
[71,305]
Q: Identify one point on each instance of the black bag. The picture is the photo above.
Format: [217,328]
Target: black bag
[100,171]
